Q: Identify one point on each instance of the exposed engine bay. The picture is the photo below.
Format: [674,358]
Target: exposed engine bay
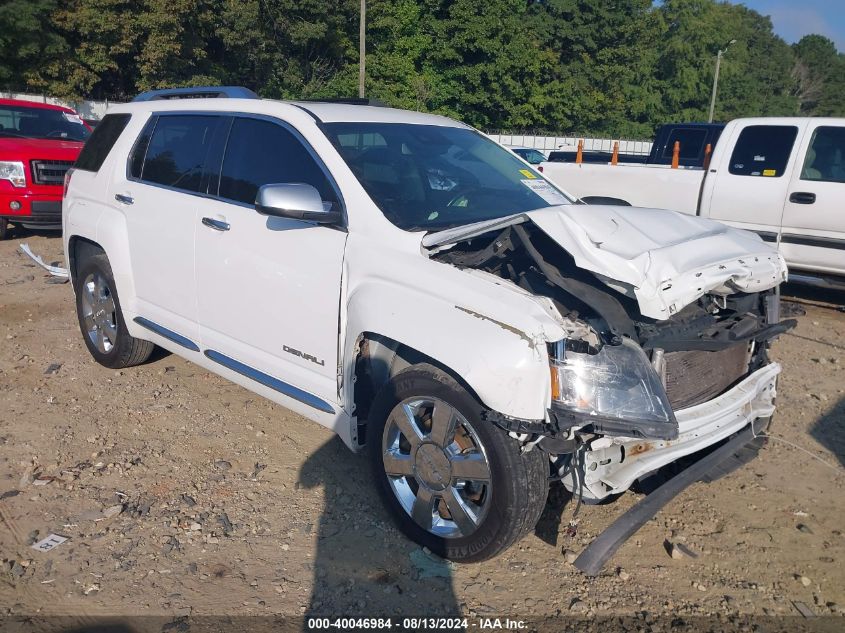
[702,352]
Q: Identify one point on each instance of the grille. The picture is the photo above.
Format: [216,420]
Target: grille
[694,377]
[50,172]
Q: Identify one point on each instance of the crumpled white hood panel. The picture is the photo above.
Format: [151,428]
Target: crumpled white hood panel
[670,259]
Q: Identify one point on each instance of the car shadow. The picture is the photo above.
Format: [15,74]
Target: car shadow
[18,232]
[829,431]
[363,566]
[823,297]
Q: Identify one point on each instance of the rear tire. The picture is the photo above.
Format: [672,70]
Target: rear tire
[101,319]
[467,497]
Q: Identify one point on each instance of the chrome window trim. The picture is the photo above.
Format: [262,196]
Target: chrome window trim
[234,115]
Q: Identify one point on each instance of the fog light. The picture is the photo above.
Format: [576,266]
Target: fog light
[14,205]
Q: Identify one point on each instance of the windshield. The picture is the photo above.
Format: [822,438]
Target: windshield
[428,177]
[23,122]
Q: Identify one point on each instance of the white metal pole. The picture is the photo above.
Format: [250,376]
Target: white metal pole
[715,86]
[362,49]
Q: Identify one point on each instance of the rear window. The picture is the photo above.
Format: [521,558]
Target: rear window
[690,140]
[763,150]
[102,139]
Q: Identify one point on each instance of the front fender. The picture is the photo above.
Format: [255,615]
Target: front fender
[489,335]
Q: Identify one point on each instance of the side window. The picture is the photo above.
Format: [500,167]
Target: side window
[691,143]
[176,151]
[99,144]
[262,153]
[763,150]
[825,159]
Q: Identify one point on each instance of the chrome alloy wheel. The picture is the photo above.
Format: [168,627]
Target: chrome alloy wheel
[99,312]
[437,467]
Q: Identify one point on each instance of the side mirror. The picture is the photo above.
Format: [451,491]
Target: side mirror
[296,201]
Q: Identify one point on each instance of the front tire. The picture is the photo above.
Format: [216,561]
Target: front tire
[452,481]
[4,229]
[101,320]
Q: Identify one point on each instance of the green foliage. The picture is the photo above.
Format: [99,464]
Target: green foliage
[26,40]
[820,76]
[609,67]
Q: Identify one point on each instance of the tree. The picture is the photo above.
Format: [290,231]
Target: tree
[604,78]
[27,38]
[820,76]
[598,67]
[753,81]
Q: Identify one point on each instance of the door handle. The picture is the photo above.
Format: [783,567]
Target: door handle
[124,199]
[217,225]
[802,197]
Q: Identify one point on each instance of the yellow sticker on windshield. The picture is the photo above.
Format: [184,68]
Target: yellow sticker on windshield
[527,173]
[770,172]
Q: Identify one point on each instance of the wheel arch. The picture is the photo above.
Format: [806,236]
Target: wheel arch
[379,358]
[80,248]
[104,232]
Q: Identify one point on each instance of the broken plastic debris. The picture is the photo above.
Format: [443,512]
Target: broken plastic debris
[48,543]
[56,271]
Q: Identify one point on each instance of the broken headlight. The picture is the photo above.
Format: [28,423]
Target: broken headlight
[615,391]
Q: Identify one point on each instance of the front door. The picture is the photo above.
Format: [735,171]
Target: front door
[269,288]
[813,235]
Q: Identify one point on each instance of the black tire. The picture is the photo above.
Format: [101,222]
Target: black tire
[519,480]
[124,350]
[4,229]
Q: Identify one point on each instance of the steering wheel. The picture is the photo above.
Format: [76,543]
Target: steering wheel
[462,194]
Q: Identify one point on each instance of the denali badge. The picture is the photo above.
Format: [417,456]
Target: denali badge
[296,352]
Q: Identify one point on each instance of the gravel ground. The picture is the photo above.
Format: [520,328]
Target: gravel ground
[182,494]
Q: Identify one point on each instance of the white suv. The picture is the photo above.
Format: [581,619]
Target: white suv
[406,282]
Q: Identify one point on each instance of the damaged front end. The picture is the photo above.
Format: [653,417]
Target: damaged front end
[636,392]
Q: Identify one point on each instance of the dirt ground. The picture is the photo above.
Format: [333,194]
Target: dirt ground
[183,494]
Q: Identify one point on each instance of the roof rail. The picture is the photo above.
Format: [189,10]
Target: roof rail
[348,100]
[198,92]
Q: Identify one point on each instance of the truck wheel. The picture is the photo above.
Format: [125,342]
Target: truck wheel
[4,229]
[453,482]
[100,318]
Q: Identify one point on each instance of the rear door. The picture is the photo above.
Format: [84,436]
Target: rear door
[747,189]
[165,179]
[269,287]
[813,235]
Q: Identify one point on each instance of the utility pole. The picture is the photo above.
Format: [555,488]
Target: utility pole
[715,79]
[362,49]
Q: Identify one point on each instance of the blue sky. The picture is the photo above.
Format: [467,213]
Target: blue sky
[793,19]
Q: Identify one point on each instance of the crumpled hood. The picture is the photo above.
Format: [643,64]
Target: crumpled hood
[669,259]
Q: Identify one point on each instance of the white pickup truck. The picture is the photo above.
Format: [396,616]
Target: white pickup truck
[783,178]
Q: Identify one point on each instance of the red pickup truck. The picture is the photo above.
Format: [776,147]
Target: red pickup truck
[38,144]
